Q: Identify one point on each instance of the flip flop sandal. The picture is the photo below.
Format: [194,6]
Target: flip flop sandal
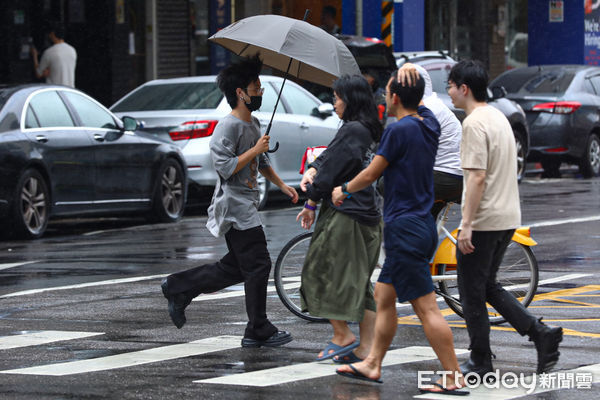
[356,374]
[454,392]
[347,358]
[336,350]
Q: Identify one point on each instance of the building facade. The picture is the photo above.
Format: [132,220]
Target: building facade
[123,43]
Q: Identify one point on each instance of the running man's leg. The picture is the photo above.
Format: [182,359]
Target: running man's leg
[439,335]
[250,250]
[386,322]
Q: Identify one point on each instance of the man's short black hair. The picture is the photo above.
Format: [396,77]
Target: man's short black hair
[473,74]
[329,10]
[410,96]
[238,75]
[57,28]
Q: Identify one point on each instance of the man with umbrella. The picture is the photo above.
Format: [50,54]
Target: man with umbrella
[237,151]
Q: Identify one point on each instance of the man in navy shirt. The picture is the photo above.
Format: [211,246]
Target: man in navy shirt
[406,157]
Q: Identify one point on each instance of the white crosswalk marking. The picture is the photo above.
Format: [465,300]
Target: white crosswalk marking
[164,353]
[12,265]
[41,337]
[312,370]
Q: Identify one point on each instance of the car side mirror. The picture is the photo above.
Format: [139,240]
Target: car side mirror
[129,123]
[323,111]
[498,92]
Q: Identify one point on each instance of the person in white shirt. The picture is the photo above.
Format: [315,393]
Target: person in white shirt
[58,61]
[447,173]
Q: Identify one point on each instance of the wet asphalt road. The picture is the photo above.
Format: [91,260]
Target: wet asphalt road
[117,316]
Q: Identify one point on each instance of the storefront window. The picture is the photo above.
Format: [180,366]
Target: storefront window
[516,38]
[199,14]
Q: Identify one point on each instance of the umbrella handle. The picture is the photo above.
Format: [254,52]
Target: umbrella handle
[274,149]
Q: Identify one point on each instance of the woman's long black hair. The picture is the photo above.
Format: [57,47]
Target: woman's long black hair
[356,93]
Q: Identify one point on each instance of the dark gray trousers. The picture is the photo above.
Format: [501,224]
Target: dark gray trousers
[477,285]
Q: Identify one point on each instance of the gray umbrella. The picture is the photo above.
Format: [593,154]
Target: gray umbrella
[289,45]
[315,55]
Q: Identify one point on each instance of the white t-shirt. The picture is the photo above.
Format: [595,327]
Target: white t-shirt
[488,144]
[61,59]
[447,158]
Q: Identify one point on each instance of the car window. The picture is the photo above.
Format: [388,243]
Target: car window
[50,110]
[172,96]
[595,82]
[299,102]
[588,87]
[30,119]
[439,76]
[529,80]
[269,99]
[90,113]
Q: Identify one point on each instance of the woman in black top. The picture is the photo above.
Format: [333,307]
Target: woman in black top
[344,249]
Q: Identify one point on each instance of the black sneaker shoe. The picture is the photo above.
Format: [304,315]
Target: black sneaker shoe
[279,338]
[177,304]
[477,364]
[546,341]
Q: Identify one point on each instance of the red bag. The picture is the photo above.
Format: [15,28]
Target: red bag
[310,155]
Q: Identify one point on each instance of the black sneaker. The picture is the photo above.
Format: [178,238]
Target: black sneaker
[177,304]
[279,338]
[546,341]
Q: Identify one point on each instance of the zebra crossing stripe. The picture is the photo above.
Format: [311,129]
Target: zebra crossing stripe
[129,359]
[41,337]
[312,370]
[12,265]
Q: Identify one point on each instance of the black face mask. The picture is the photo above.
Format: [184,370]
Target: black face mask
[255,103]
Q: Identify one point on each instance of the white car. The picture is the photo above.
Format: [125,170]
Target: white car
[185,111]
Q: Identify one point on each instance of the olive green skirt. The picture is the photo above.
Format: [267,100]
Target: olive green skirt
[336,277]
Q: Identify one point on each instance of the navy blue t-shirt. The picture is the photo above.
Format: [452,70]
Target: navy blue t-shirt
[409,146]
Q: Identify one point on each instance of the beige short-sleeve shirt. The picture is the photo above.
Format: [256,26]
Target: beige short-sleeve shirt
[488,144]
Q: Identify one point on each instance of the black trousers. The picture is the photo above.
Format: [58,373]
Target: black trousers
[247,261]
[477,285]
[446,188]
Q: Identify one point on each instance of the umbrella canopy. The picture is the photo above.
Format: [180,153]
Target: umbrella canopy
[316,56]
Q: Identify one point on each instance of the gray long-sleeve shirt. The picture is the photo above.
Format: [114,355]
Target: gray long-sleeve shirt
[235,200]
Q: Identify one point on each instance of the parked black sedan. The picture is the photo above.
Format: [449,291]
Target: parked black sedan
[62,153]
[562,104]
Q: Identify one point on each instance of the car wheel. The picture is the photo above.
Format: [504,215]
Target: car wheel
[31,208]
[263,190]
[521,154]
[551,167]
[169,193]
[589,165]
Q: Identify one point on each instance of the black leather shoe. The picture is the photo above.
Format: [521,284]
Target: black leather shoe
[279,338]
[478,363]
[546,341]
[177,304]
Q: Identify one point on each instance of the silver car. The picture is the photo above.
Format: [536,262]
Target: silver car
[185,111]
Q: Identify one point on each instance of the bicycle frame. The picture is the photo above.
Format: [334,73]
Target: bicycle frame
[446,251]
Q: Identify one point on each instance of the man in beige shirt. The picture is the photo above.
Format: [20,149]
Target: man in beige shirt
[490,214]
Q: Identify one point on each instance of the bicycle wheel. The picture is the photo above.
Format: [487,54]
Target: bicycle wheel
[288,271]
[518,274]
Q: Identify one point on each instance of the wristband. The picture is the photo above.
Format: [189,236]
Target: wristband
[345,190]
[312,208]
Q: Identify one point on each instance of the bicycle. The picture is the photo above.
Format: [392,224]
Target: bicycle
[518,273]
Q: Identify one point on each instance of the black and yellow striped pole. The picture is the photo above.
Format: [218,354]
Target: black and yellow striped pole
[387,11]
